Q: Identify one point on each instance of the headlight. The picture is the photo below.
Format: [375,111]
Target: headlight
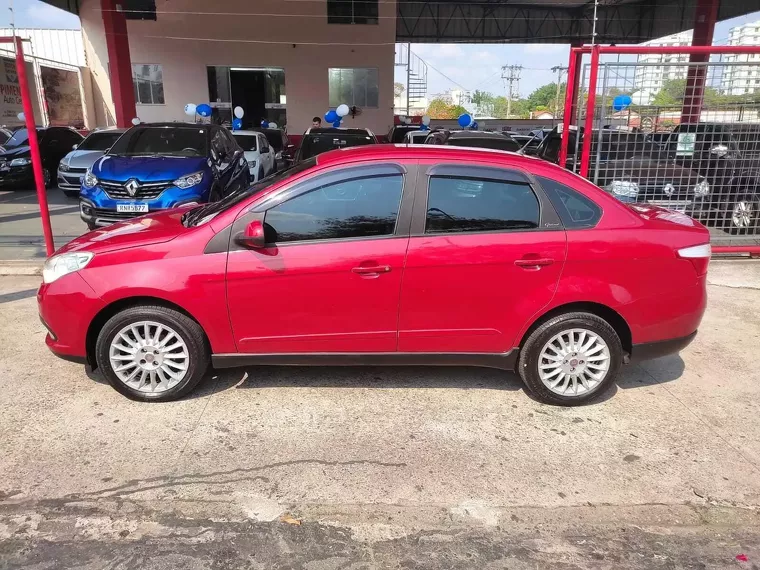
[21,161]
[89,180]
[702,188]
[60,265]
[719,150]
[623,188]
[63,167]
[251,164]
[189,180]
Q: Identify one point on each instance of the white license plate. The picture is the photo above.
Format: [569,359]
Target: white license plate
[132,208]
[675,205]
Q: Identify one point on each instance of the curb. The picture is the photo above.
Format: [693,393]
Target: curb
[23,267]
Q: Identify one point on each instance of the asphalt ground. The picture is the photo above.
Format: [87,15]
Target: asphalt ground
[327,468]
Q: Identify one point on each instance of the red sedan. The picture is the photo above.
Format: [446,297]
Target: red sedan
[382,255]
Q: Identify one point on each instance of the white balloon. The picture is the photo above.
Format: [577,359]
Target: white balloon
[190,109]
[408,120]
[342,110]
[272,125]
[136,121]
[239,112]
[425,120]
[21,117]
[402,118]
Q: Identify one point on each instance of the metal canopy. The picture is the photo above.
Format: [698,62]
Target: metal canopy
[530,21]
[550,21]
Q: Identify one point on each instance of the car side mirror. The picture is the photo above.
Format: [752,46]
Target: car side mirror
[252,236]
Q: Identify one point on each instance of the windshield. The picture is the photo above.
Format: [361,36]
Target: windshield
[20,138]
[312,145]
[205,213]
[99,141]
[161,141]
[246,142]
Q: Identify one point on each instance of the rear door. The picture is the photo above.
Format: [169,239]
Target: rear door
[485,256]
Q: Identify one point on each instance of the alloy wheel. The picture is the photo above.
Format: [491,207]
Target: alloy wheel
[574,362]
[149,356]
[743,214]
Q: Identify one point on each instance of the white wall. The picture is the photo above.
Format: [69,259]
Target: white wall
[184,44]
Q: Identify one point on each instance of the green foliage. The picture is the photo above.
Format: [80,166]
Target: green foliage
[440,109]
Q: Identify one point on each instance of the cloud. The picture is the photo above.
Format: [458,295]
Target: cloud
[40,15]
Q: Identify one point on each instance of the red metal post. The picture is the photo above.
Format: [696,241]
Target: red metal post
[34,146]
[573,79]
[119,63]
[704,25]
[590,104]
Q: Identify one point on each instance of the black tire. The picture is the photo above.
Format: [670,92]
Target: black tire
[528,364]
[92,227]
[186,328]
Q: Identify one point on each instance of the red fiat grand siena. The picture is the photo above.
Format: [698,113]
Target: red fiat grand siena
[383,255]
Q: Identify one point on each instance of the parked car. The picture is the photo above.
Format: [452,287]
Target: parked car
[258,153]
[729,156]
[284,151]
[528,143]
[415,137]
[476,139]
[397,133]
[318,140]
[16,160]
[74,165]
[5,134]
[159,166]
[385,255]
[631,168]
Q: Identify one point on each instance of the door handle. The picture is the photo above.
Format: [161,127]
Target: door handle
[373,270]
[538,262]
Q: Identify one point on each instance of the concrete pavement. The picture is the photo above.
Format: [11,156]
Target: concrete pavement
[384,467]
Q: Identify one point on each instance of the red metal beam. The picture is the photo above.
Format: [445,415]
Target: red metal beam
[704,25]
[590,104]
[571,97]
[119,63]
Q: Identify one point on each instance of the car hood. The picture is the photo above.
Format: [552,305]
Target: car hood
[81,158]
[146,168]
[15,152]
[146,230]
[646,170]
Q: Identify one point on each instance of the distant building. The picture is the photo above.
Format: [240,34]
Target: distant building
[742,79]
[653,70]
[457,97]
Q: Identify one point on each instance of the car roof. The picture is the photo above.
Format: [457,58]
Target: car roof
[334,130]
[246,132]
[477,135]
[177,124]
[107,130]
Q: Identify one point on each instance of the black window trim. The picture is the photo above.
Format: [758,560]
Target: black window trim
[570,229]
[548,219]
[409,178]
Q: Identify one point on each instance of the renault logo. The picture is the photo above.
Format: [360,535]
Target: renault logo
[132,187]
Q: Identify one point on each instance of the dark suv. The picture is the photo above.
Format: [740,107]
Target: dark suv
[729,156]
[475,139]
[318,140]
[630,167]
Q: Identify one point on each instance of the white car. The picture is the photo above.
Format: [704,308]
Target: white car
[258,153]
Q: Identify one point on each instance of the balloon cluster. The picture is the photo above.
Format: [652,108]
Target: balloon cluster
[204,110]
[425,123]
[467,121]
[621,102]
[335,116]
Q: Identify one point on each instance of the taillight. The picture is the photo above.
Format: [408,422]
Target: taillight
[699,255]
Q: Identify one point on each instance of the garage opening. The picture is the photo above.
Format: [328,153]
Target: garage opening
[260,91]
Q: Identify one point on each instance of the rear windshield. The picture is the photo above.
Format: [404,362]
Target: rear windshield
[312,145]
[496,143]
[246,142]
[99,141]
[398,133]
[162,141]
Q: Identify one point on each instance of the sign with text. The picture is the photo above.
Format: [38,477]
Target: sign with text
[10,92]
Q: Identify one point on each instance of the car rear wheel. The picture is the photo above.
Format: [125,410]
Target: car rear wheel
[744,216]
[571,359]
[152,353]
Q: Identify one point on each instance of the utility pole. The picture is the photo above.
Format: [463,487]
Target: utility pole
[559,70]
[511,75]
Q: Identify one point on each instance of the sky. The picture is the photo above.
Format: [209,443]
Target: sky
[450,66]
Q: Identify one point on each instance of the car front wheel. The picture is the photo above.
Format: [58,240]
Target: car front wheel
[571,359]
[744,216]
[152,353]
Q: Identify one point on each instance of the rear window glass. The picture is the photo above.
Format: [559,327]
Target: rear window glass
[477,205]
[99,141]
[574,209]
[313,145]
[495,143]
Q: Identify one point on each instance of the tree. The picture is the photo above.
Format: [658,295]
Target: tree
[440,109]
[398,89]
[546,97]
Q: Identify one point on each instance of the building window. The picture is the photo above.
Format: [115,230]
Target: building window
[352,11]
[353,86]
[148,83]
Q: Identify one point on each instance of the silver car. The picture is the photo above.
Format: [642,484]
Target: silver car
[74,165]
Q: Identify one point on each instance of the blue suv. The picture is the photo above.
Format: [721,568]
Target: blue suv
[156,166]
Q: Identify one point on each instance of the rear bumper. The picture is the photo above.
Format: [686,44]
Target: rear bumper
[651,350]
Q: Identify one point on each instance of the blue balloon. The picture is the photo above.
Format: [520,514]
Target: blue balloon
[237,124]
[621,102]
[336,124]
[203,110]
[474,126]
[424,128]
[465,120]
[331,116]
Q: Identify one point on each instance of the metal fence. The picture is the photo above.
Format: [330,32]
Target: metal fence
[654,127]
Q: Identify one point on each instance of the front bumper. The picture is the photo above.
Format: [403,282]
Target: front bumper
[16,175]
[70,180]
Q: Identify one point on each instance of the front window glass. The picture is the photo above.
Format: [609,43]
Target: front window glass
[162,141]
[21,138]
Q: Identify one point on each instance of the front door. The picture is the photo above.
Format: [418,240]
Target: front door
[487,259]
[330,278]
